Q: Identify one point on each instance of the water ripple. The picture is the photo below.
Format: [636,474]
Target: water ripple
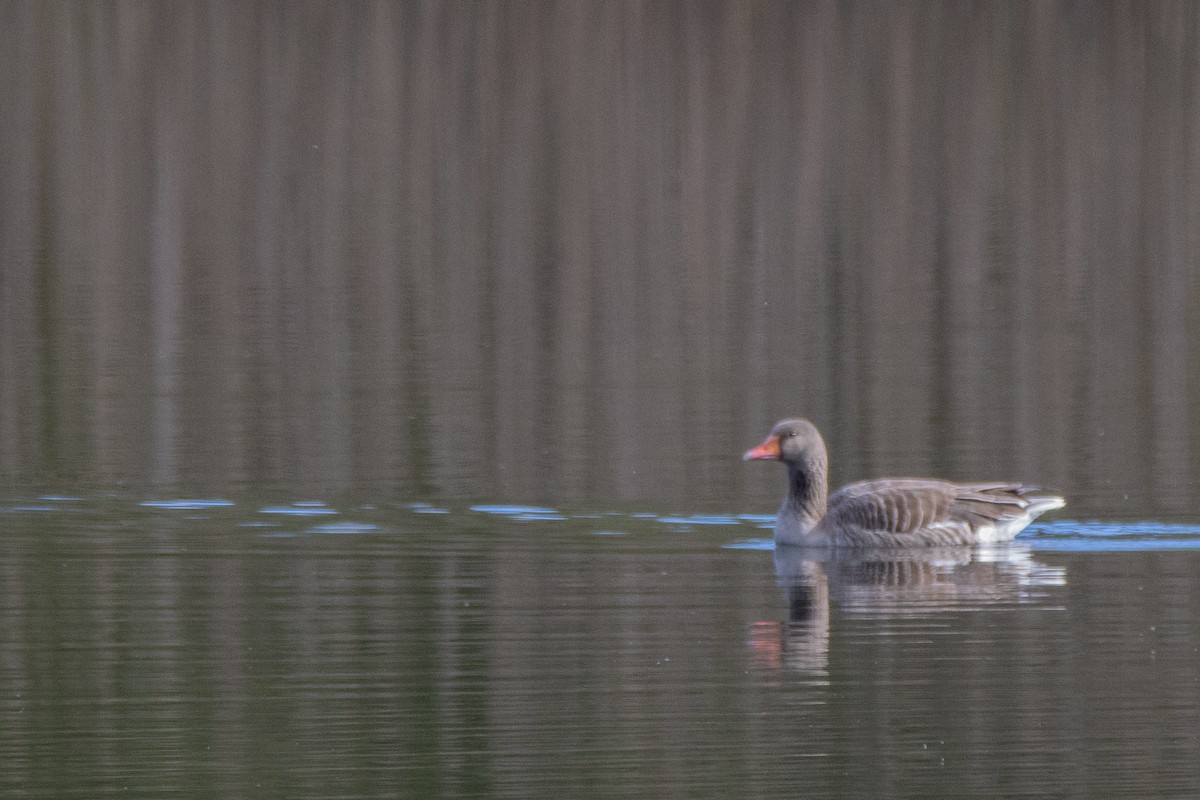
[344,528]
[298,510]
[186,505]
[1057,535]
[1098,536]
[512,511]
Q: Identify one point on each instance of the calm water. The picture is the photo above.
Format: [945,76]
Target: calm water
[309,650]
[456,318]
[555,252]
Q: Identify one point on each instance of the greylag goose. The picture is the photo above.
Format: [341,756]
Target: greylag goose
[892,512]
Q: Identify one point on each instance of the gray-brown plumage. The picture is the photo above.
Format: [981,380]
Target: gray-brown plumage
[892,512]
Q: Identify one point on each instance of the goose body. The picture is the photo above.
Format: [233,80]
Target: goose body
[891,512]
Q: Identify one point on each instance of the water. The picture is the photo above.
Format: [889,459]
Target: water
[373,380]
[546,253]
[201,649]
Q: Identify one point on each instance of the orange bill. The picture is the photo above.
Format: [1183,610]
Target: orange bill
[768,450]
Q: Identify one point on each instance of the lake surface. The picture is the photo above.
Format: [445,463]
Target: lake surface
[374,376]
[547,252]
[253,648]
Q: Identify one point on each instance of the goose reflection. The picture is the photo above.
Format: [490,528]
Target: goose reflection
[889,582]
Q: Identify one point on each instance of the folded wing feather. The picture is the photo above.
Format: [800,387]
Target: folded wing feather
[905,505]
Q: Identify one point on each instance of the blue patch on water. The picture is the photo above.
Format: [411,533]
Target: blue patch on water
[298,510]
[761,518]
[426,508]
[700,519]
[59,498]
[751,544]
[511,511]
[344,528]
[1068,536]
[186,505]
[1096,536]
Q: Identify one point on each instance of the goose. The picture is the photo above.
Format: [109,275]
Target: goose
[890,512]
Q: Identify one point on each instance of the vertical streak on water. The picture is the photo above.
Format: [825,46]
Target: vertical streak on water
[332,271]
[165,258]
[1025,349]
[1052,341]
[521,127]
[1170,272]
[812,290]
[969,127]
[570,344]
[377,435]
[769,178]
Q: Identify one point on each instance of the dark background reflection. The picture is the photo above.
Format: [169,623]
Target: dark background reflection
[588,252]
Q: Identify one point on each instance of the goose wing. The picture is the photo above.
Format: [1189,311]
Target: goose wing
[907,510]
